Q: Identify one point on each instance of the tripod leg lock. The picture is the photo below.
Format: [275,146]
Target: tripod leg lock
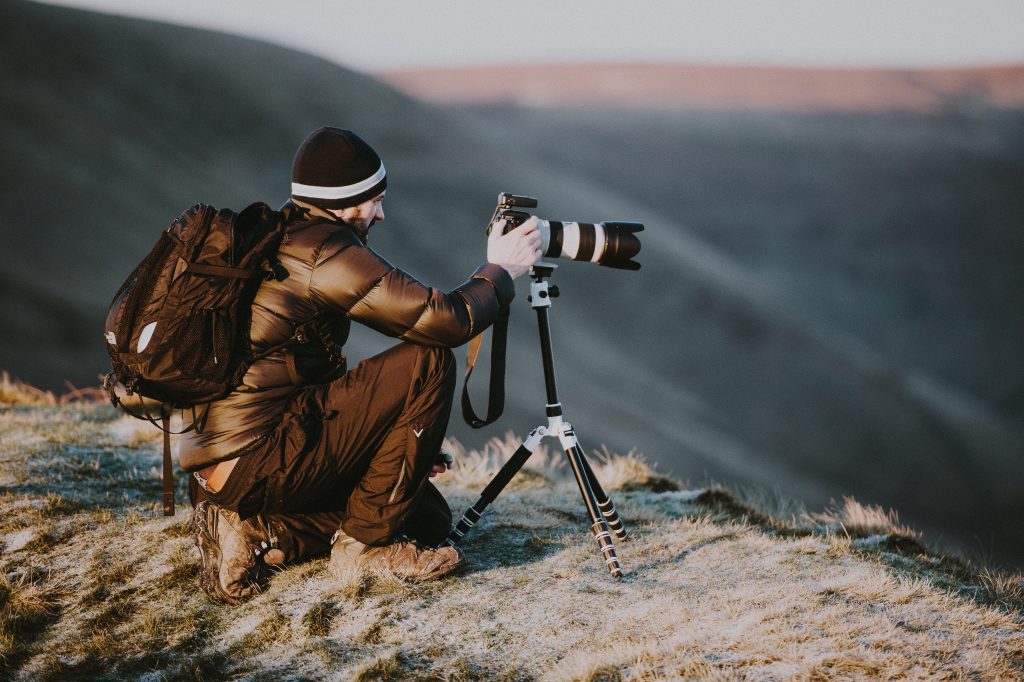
[534,439]
[467,521]
[607,548]
[567,436]
[612,517]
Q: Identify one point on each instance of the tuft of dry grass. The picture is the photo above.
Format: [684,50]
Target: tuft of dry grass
[29,603]
[1002,589]
[475,468]
[393,666]
[631,471]
[274,628]
[616,472]
[14,392]
[319,617]
[856,520]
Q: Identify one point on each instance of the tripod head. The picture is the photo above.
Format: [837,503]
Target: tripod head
[541,292]
[542,270]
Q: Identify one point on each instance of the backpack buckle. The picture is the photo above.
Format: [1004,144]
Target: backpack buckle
[274,270]
[109,380]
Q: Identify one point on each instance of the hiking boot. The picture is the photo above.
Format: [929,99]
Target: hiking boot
[234,554]
[403,557]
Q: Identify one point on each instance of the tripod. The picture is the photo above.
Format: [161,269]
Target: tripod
[603,516]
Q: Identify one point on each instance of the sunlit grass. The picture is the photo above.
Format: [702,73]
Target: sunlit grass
[94,582]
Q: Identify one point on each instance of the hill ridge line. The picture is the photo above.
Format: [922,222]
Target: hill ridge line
[716,85]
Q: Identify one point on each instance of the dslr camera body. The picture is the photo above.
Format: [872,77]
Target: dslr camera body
[612,244]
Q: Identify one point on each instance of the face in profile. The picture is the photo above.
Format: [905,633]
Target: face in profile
[363,216]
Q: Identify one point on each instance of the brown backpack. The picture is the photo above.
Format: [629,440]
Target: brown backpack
[178,329]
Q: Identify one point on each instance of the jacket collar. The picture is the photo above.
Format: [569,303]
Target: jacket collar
[308,210]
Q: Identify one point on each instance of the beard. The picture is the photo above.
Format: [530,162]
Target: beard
[366,230]
[363,232]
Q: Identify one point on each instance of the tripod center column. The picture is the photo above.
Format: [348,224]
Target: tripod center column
[540,298]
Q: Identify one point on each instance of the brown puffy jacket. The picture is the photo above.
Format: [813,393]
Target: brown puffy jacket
[333,278]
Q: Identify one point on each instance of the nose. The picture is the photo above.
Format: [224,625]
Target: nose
[380,213]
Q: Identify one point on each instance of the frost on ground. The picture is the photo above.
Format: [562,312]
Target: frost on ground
[96,584]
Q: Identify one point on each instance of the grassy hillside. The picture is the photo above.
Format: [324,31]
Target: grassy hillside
[95,584]
[113,126]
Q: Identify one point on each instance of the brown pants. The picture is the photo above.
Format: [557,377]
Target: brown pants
[354,453]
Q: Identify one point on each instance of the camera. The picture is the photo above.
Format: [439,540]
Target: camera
[612,244]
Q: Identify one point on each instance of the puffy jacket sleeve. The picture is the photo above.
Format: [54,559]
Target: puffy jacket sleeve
[356,281]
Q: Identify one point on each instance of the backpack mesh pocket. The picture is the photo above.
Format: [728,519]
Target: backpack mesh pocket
[204,343]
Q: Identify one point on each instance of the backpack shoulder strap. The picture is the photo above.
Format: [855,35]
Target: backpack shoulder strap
[224,271]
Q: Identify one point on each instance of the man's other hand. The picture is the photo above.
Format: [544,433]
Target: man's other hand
[444,463]
[516,251]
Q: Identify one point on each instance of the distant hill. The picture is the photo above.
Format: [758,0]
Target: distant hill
[902,231]
[718,86]
[886,202]
[112,126]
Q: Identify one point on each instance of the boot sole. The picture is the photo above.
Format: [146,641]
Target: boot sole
[437,573]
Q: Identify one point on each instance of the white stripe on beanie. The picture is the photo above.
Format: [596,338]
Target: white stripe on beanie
[319,192]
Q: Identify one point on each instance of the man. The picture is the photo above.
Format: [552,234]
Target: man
[305,456]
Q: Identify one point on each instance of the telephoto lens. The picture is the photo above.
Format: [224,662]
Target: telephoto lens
[612,244]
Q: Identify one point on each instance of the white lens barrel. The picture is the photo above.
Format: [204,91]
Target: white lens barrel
[573,240]
[544,227]
[570,240]
[612,243]
[599,242]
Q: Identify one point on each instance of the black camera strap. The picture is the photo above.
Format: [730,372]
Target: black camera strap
[496,393]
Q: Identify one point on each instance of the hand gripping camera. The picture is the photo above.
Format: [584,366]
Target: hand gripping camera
[612,244]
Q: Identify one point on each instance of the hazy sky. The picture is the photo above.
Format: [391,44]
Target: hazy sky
[373,36]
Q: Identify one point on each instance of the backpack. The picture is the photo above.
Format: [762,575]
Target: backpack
[178,329]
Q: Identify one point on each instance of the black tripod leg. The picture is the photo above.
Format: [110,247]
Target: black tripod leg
[604,502]
[599,525]
[494,488]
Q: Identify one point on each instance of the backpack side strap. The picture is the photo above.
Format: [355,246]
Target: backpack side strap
[198,422]
[168,473]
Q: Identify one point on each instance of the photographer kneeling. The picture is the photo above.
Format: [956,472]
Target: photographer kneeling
[305,457]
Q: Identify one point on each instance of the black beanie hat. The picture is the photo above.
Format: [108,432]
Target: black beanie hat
[335,168]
